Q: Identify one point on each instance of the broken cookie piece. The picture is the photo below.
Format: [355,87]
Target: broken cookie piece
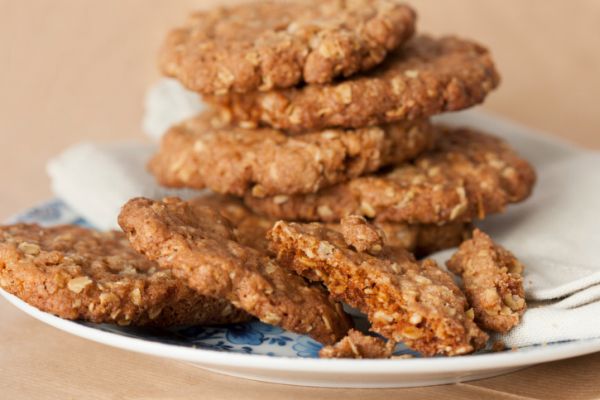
[199,245]
[492,277]
[406,301]
[358,345]
[78,273]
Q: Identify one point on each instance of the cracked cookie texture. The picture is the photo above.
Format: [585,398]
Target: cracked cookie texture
[493,282]
[207,151]
[468,176]
[264,45]
[78,273]
[200,246]
[407,301]
[424,77]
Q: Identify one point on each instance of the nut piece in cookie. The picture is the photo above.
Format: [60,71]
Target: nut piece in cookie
[492,280]
[469,175]
[78,273]
[200,247]
[358,345]
[268,44]
[206,151]
[426,76]
[406,301]
[251,229]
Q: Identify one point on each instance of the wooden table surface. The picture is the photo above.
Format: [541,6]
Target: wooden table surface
[75,70]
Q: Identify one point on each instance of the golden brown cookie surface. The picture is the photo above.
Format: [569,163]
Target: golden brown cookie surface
[207,152]
[406,301]
[468,176]
[200,246]
[424,77]
[265,44]
[77,273]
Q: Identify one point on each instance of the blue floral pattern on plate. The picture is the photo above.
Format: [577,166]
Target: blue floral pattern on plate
[249,338]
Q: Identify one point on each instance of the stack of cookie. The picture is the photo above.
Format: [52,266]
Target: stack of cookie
[320,109]
[319,113]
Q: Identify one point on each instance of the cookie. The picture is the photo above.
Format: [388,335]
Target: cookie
[427,76]
[201,248]
[358,345]
[493,283]
[469,175]
[422,240]
[264,44]
[207,152]
[78,273]
[406,301]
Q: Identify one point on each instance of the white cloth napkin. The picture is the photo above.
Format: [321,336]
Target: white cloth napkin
[555,233]
[167,103]
[95,180]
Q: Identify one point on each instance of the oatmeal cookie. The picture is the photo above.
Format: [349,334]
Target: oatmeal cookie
[492,280]
[78,273]
[425,77]
[205,151]
[422,240]
[200,247]
[406,301]
[358,345]
[469,176]
[264,44]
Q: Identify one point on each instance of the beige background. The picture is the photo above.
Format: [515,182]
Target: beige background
[77,69]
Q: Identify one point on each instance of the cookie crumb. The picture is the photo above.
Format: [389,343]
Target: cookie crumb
[358,345]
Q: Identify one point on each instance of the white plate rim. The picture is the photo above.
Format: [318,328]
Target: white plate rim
[481,362]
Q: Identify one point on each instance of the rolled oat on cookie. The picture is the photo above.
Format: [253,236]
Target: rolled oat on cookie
[79,273]
[207,151]
[469,175]
[407,301]
[427,76]
[200,246]
[492,277]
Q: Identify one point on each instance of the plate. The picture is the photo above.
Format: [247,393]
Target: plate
[266,353]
